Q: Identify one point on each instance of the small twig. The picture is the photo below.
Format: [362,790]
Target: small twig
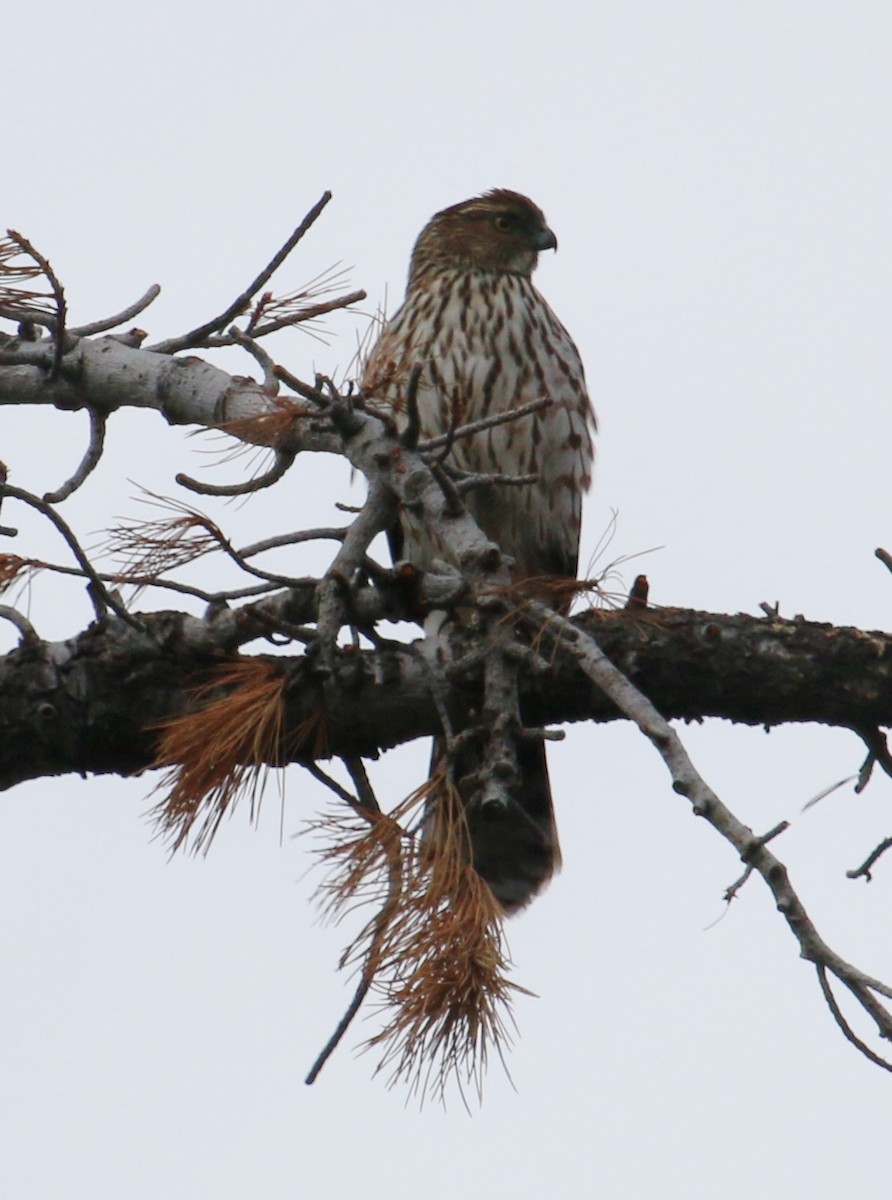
[310,313]
[126,314]
[275,624]
[21,622]
[283,460]
[332,784]
[88,463]
[412,431]
[5,530]
[454,506]
[58,296]
[217,535]
[266,361]
[330,534]
[468,480]
[463,431]
[196,336]
[312,394]
[380,927]
[362,990]
[843,1024]
[877,752]
[376,515]
[827,791]
[864,869]
[865,772]
[439,690]
[342,407]
[884,556]
[28,316]
[146,581]
[288,581]
[100,597]
[731,892]
[637,598]
[540,733]
[361,782]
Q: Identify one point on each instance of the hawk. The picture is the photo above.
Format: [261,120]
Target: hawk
[487,343]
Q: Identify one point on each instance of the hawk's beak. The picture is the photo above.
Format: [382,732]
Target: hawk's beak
[545,239]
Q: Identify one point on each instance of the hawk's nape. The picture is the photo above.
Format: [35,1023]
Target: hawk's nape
[487,343]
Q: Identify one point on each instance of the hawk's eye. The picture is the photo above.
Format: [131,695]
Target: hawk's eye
[504,221]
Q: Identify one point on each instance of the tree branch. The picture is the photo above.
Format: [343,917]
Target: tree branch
[94,703]
[753,850]
[196,336]
[389,698]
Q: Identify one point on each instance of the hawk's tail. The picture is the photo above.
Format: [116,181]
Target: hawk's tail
[514,847]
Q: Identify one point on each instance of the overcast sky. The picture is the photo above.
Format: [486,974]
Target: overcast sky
[719,176]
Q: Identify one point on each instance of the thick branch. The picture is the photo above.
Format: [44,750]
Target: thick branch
[85,704]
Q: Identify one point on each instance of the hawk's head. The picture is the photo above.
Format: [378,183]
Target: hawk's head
[499,231]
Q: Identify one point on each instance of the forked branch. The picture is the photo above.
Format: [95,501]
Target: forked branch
[567,639]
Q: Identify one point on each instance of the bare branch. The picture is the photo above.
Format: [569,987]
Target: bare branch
[283,459]
[126,314]
[88,463]
[827,791]
[864,869]
[877,752]
[303,389]
[5,530]
[492,675]
[467,481]
[376,515]
[309,313]
[732,890]
[362,990]
[331,533]
[332,784]
[364,790]
[156,546]
[463,431]
[377,931]
[21,622]
[19,311]
[409,436]
[101,598]
[843,1024]
[260,356]
[196,336]
[152,580]
[705,803]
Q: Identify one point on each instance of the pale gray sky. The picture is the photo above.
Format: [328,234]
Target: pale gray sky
[720,179]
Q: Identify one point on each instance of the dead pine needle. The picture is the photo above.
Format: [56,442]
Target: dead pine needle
[434,954]
[219,750]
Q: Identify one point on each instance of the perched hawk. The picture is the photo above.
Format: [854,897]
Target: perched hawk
[487,343]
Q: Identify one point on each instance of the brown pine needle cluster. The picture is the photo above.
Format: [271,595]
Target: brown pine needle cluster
[12,567]
[10,250]
[220,751]
[148,549]
[557,591]
[301,307]
[358,848]
[272,427]
[435,951]
[17,266]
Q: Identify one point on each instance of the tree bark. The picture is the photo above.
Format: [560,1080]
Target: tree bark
[89,704]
